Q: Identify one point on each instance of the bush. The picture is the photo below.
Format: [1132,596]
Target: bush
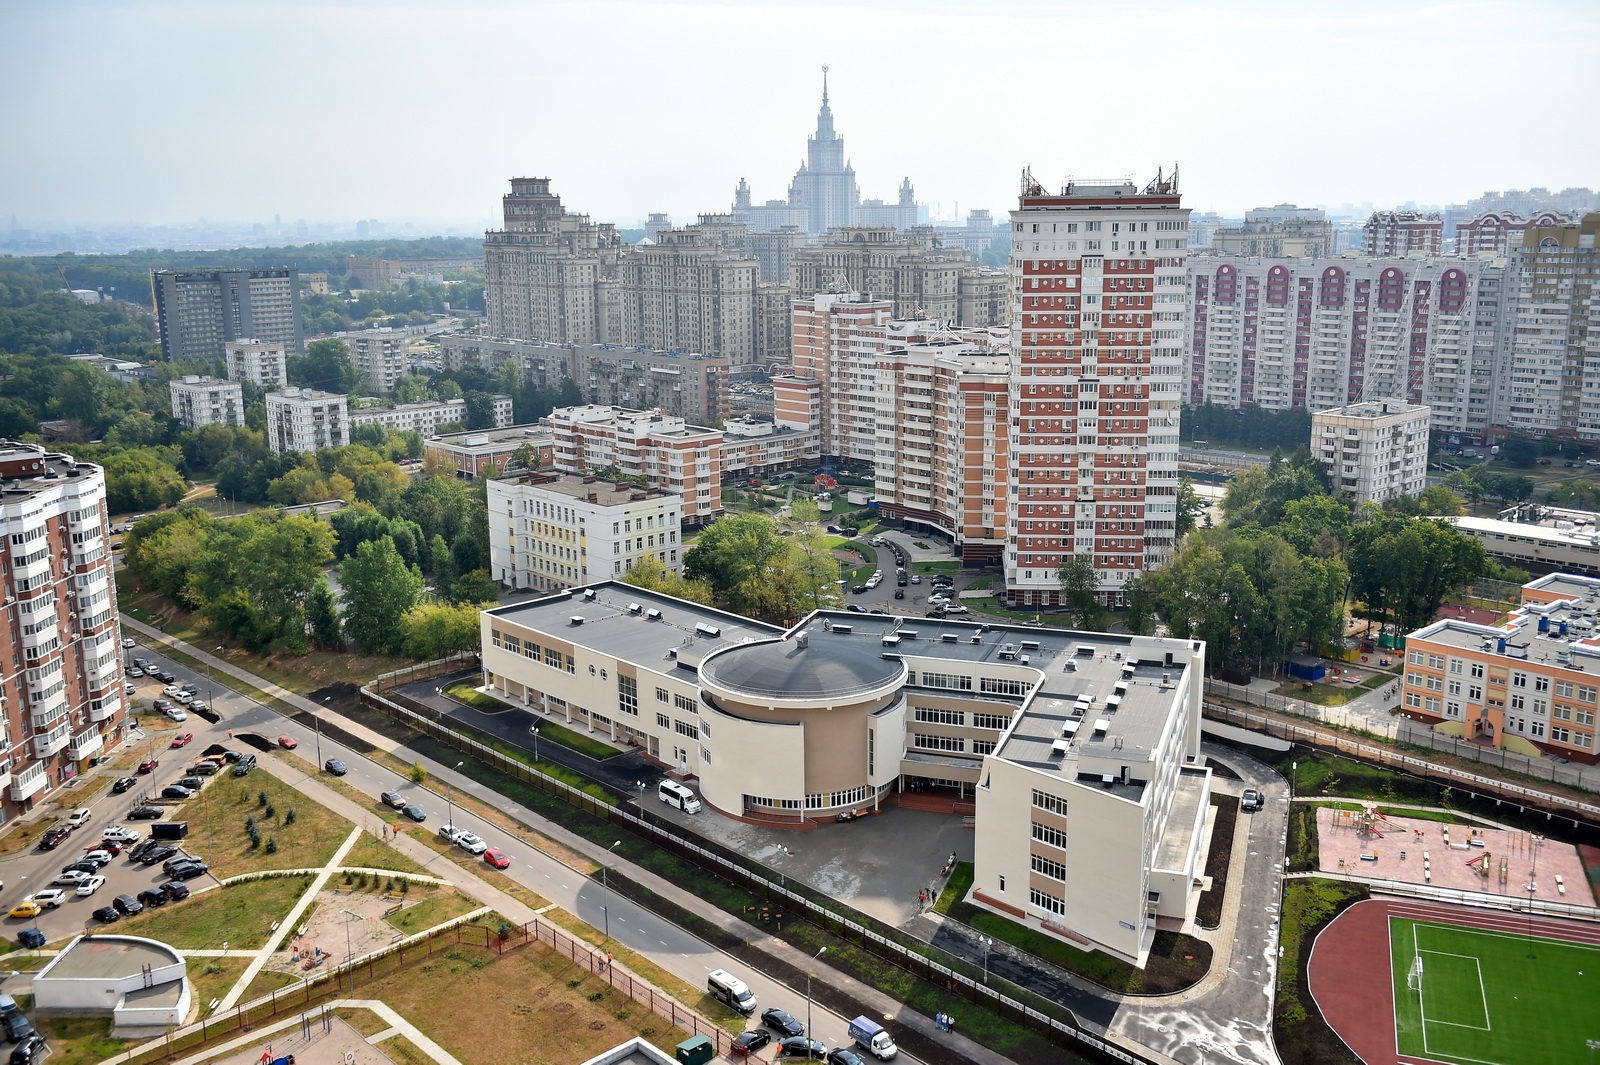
[261,798]
[288,816]
[272,845]
[419,772]
[271,810]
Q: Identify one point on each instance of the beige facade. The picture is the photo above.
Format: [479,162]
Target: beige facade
[687,294]
[665,451]
[919,277]
[549,531]
[1080,750]
[1281,232]
[260,362]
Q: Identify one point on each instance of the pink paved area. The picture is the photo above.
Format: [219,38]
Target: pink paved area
[326,1045]
[1340,839]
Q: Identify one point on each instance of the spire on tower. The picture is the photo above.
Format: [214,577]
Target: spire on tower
[824,85]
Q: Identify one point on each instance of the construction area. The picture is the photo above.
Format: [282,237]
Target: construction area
[1371,842]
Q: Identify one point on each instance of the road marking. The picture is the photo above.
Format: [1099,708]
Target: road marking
[663,942]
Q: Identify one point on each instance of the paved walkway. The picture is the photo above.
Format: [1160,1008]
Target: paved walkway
[398,1025]
[289,923]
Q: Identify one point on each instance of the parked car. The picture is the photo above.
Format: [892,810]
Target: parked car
[841,1056]
[79,817]
[471,844]
[29,1050]
[752,1041]
[146,813]
[133,671]
[173,713]
[122,784]
[191,687]
[118,834]
[166,676]
[50,897]
[183,698]
[54,838]
[205,769]
[1251,800]
[415,812]
[152,898]
[149,765]
[199,706]
[26,908]
[232,756]
[110,846]
[496,858]
[100,856]
[192,783]
[916,578]
[782,1022]
[33,939]
[393,799]
[172,691]
[87,868]
[802,1047]
[138,853]
[158,854]
[190,871]
[72,877]
[175,889]
[855,608]
[336,767]
[176,791]
[176,860]
[91,885]
[107,914]
[182,739]
[18,1027]
[287,743]
[127,905]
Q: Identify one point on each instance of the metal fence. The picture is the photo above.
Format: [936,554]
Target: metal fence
[878,939]
[1321,739]
[1404,730]
[424,670]
[1456,896]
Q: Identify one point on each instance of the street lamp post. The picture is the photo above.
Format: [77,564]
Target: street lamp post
[211,687]
[533,730]
[605,885]
[814,957]
[987,943]
[318,719]
[349,951]
[449,797]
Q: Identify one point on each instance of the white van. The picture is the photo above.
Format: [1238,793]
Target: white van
[731,991]
[674,794]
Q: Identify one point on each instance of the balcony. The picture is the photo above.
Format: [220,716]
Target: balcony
[41,637]
[47,743]
[30,782]
[85,744]
[104,709]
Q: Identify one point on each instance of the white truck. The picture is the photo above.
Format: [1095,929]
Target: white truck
[870,1036]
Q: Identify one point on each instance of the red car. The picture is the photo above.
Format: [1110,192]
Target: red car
[496,858]
[182,739]
[109,846]
[287,743]
[148,765]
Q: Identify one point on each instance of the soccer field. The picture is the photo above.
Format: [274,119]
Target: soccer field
[1476,997]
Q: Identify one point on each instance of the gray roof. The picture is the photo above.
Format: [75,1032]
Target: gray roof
[835,668]
[110,957]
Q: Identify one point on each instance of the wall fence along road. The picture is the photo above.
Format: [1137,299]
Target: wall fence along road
[922,960]
[1328,739]
[1481,900]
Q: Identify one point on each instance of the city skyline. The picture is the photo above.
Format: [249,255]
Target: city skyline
[341,104]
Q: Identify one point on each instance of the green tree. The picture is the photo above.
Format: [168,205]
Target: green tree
[1189,507]
[736,556]
[322,618]
[378,590]
[480,410]
[444,565]
[326,366]
[1080,586]
[526,457]
[651,573]
[475,586]
[438,630]
[1438,501]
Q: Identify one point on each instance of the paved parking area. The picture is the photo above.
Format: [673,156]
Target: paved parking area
[877,864]
[123,877]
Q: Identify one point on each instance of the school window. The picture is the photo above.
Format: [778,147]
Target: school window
[1455,665]
[1049,835]
[1436,661]
[1435,684]
[1585,694]
[1475,693]
[941,717]
[663,721]
[570,663]
[1052,869]
[938,743]
[1413,700]
[552,657]
[1564,689]
[1477,670]
[982,746]
[531,650]
[628,695]
[494,637]
[662,696]
[686,704]
[1415,658]
[513,644]
[997,722]
[947,680]
[1519,680]
[1541,684]
[685,729]
[1046,801]
[1003,686]
[1455,687]
[1044,901]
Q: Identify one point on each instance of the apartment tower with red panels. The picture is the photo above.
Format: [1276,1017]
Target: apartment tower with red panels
[1096,382]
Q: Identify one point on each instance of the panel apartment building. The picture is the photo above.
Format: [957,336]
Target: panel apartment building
[549,531]
[379,356]
[198,311]
[63,694]
[689,386]
[198,400]
[426,416]
[1319,333]
[262,363]
[664,451]
[1081,751]
[1096,382]
[1528,684]
[305,419]
[1374,451]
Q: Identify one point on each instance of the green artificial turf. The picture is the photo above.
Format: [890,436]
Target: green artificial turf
[1493,998]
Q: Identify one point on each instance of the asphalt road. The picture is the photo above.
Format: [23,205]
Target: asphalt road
[671,947]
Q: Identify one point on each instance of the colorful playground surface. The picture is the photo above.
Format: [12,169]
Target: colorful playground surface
[1390,846]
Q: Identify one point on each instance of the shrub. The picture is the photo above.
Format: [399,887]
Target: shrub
[419,772]
[271,810]
[272,845]
[288,816]
[261,798]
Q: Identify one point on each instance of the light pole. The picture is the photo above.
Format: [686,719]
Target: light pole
[449,797]
[987,943]
[318,719]
[211,687]
[814,957]
[1593,1045]
[533,730]
[605,884]
[349,952]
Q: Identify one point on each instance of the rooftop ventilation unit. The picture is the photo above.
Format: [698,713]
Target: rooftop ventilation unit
[976,639]
[908,634]
[1070,728]
[635,608]
[1029,645]
[1071,666]
[803,639]
[653,614]
[1059,748]
[890,641]
[702,629]
[844,630]
[576,619]
[949,637]
[1101,724]
[1085,650]
[588,593]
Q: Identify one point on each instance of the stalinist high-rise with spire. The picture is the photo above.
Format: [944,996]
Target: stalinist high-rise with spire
[823,194]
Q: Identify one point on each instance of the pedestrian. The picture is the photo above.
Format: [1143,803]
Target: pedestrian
[949,1023]
[938,1018]
[922,898]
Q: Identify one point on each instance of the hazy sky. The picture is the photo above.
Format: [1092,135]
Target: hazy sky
[164,112]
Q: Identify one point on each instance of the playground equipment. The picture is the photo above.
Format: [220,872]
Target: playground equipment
[1481,864]
[1371,822]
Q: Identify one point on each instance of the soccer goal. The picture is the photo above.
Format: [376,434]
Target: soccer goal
[1414,977]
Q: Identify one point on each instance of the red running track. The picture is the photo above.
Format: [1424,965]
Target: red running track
[1352,980]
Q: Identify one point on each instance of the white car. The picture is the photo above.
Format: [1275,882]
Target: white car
[118,834]
[91,885]
[450,833]
[98,856]
[183,698]
[133,671]
[954,608]
[172,691]
[127,641]
[175,713]
[71,878]
[49,898]
[130,689]
[198,705]
[471,844]
[80,817]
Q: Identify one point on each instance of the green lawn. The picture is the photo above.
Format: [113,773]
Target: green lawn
[1492,998]
[548,730]
[241,915]
[926,568]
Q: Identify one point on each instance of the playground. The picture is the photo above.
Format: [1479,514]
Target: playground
[1390,846]
[321,1040]
[322,938]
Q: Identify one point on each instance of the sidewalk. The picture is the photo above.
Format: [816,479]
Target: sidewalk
[874,1000]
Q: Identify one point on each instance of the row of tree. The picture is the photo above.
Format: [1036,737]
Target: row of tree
[1248,426]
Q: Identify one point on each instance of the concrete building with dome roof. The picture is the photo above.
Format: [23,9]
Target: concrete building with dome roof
[1077,752]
